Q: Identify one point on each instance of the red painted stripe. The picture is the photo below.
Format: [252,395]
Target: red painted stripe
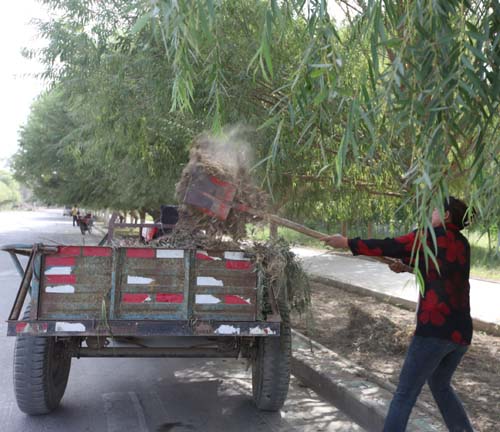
[203,257]
[134,298]
[169,298]
[69,250]
[140,253]
[59,261]
[234,299]
[21,326]
[220,182]
[96,251]
[238,265]
[61,279]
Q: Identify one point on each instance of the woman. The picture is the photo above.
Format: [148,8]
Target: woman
[444,324]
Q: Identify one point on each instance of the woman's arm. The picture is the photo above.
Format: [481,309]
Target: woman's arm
[398,247]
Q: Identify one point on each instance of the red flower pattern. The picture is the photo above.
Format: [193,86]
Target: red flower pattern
[444,310]
[456,290]
[456,337]
[432,310]
[365,250]
[455,250]
[407,240]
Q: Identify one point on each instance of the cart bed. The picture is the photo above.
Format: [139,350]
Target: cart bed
[87,290]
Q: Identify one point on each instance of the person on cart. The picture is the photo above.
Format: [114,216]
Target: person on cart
[86,222]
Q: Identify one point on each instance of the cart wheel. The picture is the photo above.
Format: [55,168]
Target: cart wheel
[271,368]
[41,371]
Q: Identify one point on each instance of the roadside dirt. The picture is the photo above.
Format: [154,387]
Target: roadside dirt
[375,336]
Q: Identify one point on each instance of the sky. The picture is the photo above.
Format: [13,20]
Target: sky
[18,86]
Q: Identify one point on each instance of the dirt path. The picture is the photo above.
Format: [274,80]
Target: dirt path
[375,336]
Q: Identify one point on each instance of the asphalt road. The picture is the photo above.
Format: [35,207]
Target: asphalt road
[143,395]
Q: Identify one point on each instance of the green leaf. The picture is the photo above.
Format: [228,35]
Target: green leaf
[140,23]
[320,97]
[267,56]
[269,122]
[477,53]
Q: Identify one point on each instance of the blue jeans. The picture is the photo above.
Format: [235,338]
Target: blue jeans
[433,360]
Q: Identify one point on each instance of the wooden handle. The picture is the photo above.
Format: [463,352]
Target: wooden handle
[304,230]
[296,227]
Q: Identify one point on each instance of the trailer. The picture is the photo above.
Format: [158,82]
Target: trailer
[100,301]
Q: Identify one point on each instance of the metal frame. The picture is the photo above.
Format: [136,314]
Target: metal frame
[112,225]
[83,328]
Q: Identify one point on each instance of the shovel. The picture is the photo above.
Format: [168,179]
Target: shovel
[214,197]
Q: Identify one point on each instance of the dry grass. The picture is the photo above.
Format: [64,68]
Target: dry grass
[205,156]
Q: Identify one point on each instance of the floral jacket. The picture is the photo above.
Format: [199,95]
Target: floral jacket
[444,310]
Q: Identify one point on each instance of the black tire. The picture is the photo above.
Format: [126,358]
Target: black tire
[41,371]
[271,368]
[82,229]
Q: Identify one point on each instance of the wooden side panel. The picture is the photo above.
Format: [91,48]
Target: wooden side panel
[75,283]
[224,286]
[152,284]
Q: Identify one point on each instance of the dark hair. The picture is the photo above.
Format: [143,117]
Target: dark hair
[460,213]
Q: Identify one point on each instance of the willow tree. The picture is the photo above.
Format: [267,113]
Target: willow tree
[9,190]
[394,104]
[417,118]
[103,134]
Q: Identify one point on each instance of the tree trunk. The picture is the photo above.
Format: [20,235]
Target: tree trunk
[489,241]
[273,231]
[343,229]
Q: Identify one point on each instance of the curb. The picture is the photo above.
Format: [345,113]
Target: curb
[484,326]
[339,382]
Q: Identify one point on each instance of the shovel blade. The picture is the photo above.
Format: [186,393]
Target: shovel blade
[210,194]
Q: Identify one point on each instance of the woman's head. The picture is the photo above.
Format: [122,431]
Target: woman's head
[455,212]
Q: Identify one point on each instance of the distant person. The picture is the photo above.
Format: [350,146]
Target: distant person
[444,324]
[74,213]
[169,216]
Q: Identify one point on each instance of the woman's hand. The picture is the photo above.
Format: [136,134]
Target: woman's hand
[399,266]
[336,241]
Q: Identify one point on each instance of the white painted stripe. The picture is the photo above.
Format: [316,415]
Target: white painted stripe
[206,299]
[124,412]
[227,330]
[238,256]
[139,280]
[69,327]
[208,281]
[59,271]
[259,331]
[60,289]
[169,253]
